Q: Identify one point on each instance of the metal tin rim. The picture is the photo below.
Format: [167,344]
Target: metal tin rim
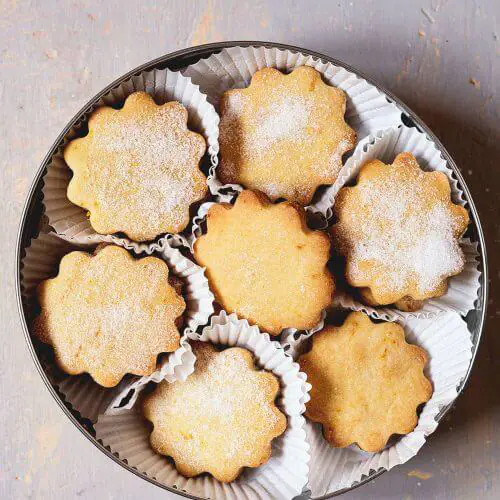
[200,52]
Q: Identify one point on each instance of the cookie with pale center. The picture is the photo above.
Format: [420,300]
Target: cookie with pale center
[137,169]
[221,419]
[284,135]
[399,233]
[109,314]
[367,382]
[263,263]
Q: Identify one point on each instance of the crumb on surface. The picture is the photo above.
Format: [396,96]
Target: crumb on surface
[475,82]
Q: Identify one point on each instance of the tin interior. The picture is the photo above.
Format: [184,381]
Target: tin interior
[32,216]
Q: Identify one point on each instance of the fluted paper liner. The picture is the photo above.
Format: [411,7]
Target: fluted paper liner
[385,145]
[197,222]
[447,341]
[282,477]
[368,109]
[81,392]
[163,85]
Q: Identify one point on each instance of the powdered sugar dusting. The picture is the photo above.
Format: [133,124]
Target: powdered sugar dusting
[109,315]
[235,104]
[284,118]
[283,137]
[221,418]
[336,157]
[143,171]
[405,236]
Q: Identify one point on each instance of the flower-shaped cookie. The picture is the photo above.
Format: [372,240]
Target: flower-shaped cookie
[265,264]
[221,419]
[136,171]
[367,382]
[284,135]
[399,233]
[108,314]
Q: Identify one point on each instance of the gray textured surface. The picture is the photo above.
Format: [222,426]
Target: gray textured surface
[56,55]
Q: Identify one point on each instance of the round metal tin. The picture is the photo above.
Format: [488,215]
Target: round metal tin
[33,212]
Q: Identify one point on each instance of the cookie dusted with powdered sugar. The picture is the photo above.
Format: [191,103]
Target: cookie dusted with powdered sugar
[284,135]
[399,232]
[221,419]
[265,264]
[137,170]
[367,382]
[109,314]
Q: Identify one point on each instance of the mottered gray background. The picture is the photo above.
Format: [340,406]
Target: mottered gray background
[440,57]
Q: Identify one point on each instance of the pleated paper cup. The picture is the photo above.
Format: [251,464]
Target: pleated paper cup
[81,392]
[282,477]
[163,85]
[447,342]
[385,145]
[368,109]
[198,222]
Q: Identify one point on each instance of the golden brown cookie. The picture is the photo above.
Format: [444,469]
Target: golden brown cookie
[367,382]
[136,171]
[265,264]
[108,314]
[284,135]
[399,233]
[221,419]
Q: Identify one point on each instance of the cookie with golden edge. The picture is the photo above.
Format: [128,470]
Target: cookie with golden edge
[399,232]
[109,314]
[221,419]
[284,135]
[137,169]
[367,382]
[263,263]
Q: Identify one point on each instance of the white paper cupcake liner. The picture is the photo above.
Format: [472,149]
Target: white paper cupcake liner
[81,393]
[385,145]
[85,396]
[368,109]
[163,85]
[178,366]
[40,261]
[197,223]
[196,292]
[282,477]
[447,341]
